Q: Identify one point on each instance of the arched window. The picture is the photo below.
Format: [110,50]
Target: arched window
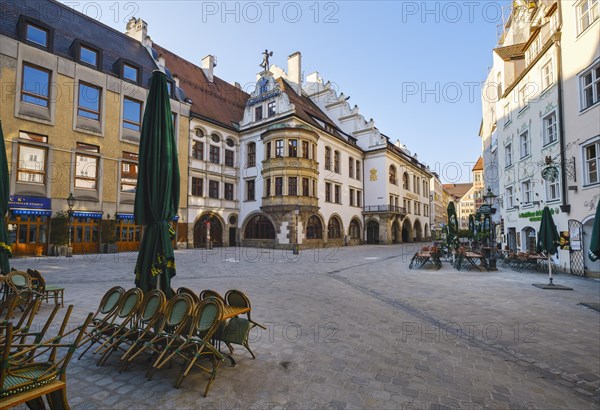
[393,175]
[351,167]
[251,158]
[358,171]
[314,229]
[327,158]
[259,227]
[199,133]
[215,138]
[405,181]
[334,228]
[354,229]
[336,162]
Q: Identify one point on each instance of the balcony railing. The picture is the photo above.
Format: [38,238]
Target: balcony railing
[385,208]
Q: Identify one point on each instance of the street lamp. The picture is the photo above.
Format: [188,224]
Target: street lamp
[70,203]
[489,199]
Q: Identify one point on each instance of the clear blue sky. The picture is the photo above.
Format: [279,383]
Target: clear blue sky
[415,67]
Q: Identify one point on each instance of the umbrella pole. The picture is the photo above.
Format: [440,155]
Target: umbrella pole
[550,269]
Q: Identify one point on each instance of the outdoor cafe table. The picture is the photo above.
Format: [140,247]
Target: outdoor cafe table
[472,257]
[536,261]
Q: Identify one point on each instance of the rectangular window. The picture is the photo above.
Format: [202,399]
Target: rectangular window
[35,85]
[89,101]
[338,194]
[591,154]
[258,113]
[32,164]
[271,109]
[547,75]
[292,148]
[507,117]
[279,148]
[198,150]
[129,172]
[268,187]
[508,155]
[292,186]
[279,186]
[86,171]
[527,194]
[213,189]
[327,192]
[132,114]
[351,197]
[305,150]
[36,34]
[336,162]
[229,161]
[214,154]
[587,13]
[305,187]
[550,129]
[250,186]
[351,168]
[524,144]
[88,55]
[268,153]
[590,87]
[358,171]
[327,158]
[359,198]
[251,155]
[197,186]
[131,73]
[552,190]
[229,191]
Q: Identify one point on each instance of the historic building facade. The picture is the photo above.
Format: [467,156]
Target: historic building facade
[542,124]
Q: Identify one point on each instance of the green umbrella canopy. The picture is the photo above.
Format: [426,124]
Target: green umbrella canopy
[594,251]
[5,251]
[157,192]
[452,237]
[548,239]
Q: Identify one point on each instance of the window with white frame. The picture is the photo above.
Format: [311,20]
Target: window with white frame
[507,114]
[526,192]
[549,128]
[547,75]
[523,97]
[524,144]
[508,155]
[552,190]
[590,87]
[591,159]
[587,13]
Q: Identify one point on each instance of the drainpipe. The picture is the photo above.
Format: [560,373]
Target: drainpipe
[564,207]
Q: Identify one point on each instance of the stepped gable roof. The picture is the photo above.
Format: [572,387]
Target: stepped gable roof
[218,102]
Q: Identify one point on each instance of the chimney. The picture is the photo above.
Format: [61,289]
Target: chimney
[137,29]
[176,79]
[237,85]
[294,73]
[161,60]
[208,64]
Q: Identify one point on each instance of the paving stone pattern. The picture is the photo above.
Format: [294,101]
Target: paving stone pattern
[354,328]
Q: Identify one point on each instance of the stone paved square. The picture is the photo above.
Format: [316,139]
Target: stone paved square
[354,328]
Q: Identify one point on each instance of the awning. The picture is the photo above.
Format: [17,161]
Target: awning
[130,216]
[82,214]
[41,212]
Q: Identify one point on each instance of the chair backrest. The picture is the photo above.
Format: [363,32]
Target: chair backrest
[37,280]
[110,300]
[190,292]
[237,298]
[153,305]
[210,294]
[130,302]
[208,317]
[18,280]
[179,308]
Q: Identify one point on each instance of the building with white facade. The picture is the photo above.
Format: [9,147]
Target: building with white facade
[540,111]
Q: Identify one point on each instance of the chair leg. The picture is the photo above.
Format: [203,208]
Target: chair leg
[247,346]
[36,404]
[58,399]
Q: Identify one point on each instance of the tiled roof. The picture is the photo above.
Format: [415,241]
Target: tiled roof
[458,190]
[218,101]
[478,165]
[512,52]
[70,25]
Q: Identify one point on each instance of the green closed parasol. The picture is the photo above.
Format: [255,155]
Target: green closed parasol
[594,251]
[452,237]
[548,238]
[5,251]
[157,192]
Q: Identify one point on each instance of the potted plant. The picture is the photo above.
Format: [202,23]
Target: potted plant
[59,234]
[108,232]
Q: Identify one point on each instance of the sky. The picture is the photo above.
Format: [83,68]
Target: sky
[415,67]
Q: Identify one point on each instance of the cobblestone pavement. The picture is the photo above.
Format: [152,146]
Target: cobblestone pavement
[354,328]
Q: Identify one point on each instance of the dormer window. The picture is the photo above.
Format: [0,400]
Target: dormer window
[130,72]
[258,113]
[36,33]
[87,55]
[271,109]
[170,88]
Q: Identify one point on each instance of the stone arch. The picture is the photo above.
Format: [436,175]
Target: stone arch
[418,231]
[201,232]
[426,234]
[528,239]
[393,175]
[407,230]
[355,229]
[372,227]
[396,231]
[259,226]
[314,227]
[335,227]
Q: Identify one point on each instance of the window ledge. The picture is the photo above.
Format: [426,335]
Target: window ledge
[550,144]
[553,201]
[525,157]
[591,107]
[588,186]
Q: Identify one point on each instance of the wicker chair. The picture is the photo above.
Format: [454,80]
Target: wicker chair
[238,329]
[107,307]
[45,290]
[190,292]
[207,293]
